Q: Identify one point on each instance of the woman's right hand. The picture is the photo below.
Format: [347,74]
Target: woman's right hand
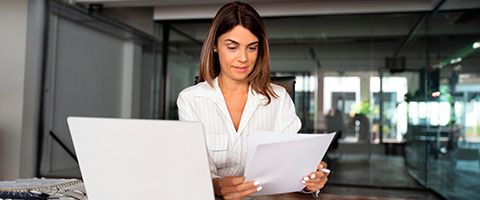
[233,187]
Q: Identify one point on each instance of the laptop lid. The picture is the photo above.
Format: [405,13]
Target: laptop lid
[141,159]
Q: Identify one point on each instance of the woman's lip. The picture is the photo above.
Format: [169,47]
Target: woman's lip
[240,69]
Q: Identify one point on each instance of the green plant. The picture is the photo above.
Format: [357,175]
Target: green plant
[362,108]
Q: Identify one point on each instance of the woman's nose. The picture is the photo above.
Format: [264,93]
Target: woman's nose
[243,56]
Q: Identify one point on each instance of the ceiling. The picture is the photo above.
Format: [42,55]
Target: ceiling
[333,34]
[187,9]
[353,42]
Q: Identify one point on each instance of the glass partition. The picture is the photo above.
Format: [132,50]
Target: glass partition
[453,106]
[443,146]
[395,87]
[182,66]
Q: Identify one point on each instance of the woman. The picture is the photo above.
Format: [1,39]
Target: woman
[235,97]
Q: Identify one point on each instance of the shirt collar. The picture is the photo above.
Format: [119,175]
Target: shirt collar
[253,101]
[215,92]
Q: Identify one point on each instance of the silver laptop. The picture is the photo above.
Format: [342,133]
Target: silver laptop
[141,159]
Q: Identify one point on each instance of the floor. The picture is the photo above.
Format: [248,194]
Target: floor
[454,180]
[375,177]
[376,170]
[350,192]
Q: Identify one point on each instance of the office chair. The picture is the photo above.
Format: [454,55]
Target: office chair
[288,82]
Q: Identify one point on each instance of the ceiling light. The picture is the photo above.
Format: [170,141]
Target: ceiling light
[476,45]
[455,60]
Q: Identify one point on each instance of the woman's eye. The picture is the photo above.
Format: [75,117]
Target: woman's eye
[232,48]
[252,48]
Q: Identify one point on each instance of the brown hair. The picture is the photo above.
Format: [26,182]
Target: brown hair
[229,16]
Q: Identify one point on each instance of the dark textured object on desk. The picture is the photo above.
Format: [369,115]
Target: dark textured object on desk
[29,195]
[40,189]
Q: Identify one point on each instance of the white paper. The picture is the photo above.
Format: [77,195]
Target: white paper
[280,161]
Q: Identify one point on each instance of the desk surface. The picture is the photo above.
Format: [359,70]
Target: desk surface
[299,196]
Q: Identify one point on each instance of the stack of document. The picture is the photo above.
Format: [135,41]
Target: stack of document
[279,161]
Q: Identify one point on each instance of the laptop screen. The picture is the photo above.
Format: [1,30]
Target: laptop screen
[141,159]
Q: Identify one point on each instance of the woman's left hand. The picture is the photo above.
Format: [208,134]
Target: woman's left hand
[316,180]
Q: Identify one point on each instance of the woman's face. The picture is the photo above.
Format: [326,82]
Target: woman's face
[237,52]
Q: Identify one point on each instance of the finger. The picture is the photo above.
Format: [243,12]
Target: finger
[314,175]
[240,188]
[317,180]
[248,186]
[320,174]
[317,184]
[241,195]
[231,180]
[238,180]
[305,179]
[314,186]
[322,164]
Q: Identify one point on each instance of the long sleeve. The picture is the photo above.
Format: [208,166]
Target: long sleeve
[287,120]
[185,109]
[187,113]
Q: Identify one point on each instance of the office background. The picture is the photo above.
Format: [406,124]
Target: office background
[403,77]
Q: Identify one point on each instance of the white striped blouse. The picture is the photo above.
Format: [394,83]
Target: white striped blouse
[227,148]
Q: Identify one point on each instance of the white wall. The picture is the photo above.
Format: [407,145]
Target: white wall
[13,20]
